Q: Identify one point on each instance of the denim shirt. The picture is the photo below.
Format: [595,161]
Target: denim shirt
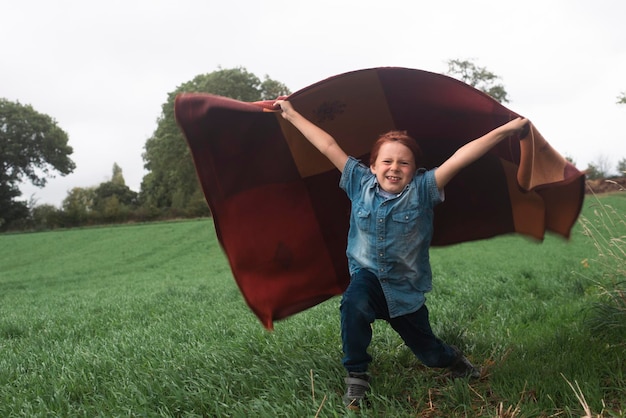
[390,236]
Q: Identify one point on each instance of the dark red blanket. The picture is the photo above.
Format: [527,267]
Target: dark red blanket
[279,213]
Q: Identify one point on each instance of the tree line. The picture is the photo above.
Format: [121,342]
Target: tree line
[33,146]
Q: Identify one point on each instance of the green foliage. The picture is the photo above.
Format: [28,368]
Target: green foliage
[147,321]
[117,177]
[112,189]
[599,169]
[593,172]
[110,201]
[113,201]
[171,182]
[77,205]
[570,159]
[478,77]
[32,147]
[45,217]
[621,167]
[272,89]
[621,99]
[11,211]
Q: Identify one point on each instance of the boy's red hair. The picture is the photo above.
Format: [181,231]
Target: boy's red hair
[397,136]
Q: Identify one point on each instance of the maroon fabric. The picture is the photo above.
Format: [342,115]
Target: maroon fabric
[279,213]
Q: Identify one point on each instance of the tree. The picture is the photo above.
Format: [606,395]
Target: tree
[45,217]
[32,148]
[77,206]
[272,89]
[171,181]
[593,173]
[570,160]
[599,169]
[621,164]
[117,177]
[478,77]
[603,164]
[621,167]
[113,200]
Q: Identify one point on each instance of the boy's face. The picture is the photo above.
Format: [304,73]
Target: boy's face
[394,167]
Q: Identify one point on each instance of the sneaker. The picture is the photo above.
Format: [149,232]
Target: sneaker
[462,367]
[357,386]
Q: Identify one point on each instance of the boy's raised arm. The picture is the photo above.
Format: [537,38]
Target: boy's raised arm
[320,139]
[472,151]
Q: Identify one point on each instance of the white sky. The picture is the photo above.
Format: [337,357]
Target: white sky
[102,69]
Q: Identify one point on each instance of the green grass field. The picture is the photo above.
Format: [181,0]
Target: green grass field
[146,320]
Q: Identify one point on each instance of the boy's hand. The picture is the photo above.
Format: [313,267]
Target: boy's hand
[519,126]
[523,133]
[284,106]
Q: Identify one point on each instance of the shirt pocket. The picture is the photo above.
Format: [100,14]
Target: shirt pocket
[406,222]
[362,218]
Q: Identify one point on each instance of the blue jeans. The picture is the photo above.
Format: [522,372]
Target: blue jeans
[361,304]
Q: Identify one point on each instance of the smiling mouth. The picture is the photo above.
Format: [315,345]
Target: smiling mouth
[392,178]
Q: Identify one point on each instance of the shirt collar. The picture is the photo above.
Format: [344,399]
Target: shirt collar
[380,192]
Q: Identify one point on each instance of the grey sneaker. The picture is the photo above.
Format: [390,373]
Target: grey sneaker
[462,367]
[357,386]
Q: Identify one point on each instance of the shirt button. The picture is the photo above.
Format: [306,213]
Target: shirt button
[380,220]
[381,254]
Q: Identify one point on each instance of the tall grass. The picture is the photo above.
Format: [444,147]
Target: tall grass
[147,321]
[606,227]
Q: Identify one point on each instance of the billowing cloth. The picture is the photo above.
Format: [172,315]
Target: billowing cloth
[279,213]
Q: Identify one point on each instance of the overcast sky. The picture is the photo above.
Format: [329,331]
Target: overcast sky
[102,69]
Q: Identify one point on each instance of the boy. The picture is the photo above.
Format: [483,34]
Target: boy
[391,226]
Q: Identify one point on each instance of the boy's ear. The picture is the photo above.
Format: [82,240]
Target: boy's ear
[372,168]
